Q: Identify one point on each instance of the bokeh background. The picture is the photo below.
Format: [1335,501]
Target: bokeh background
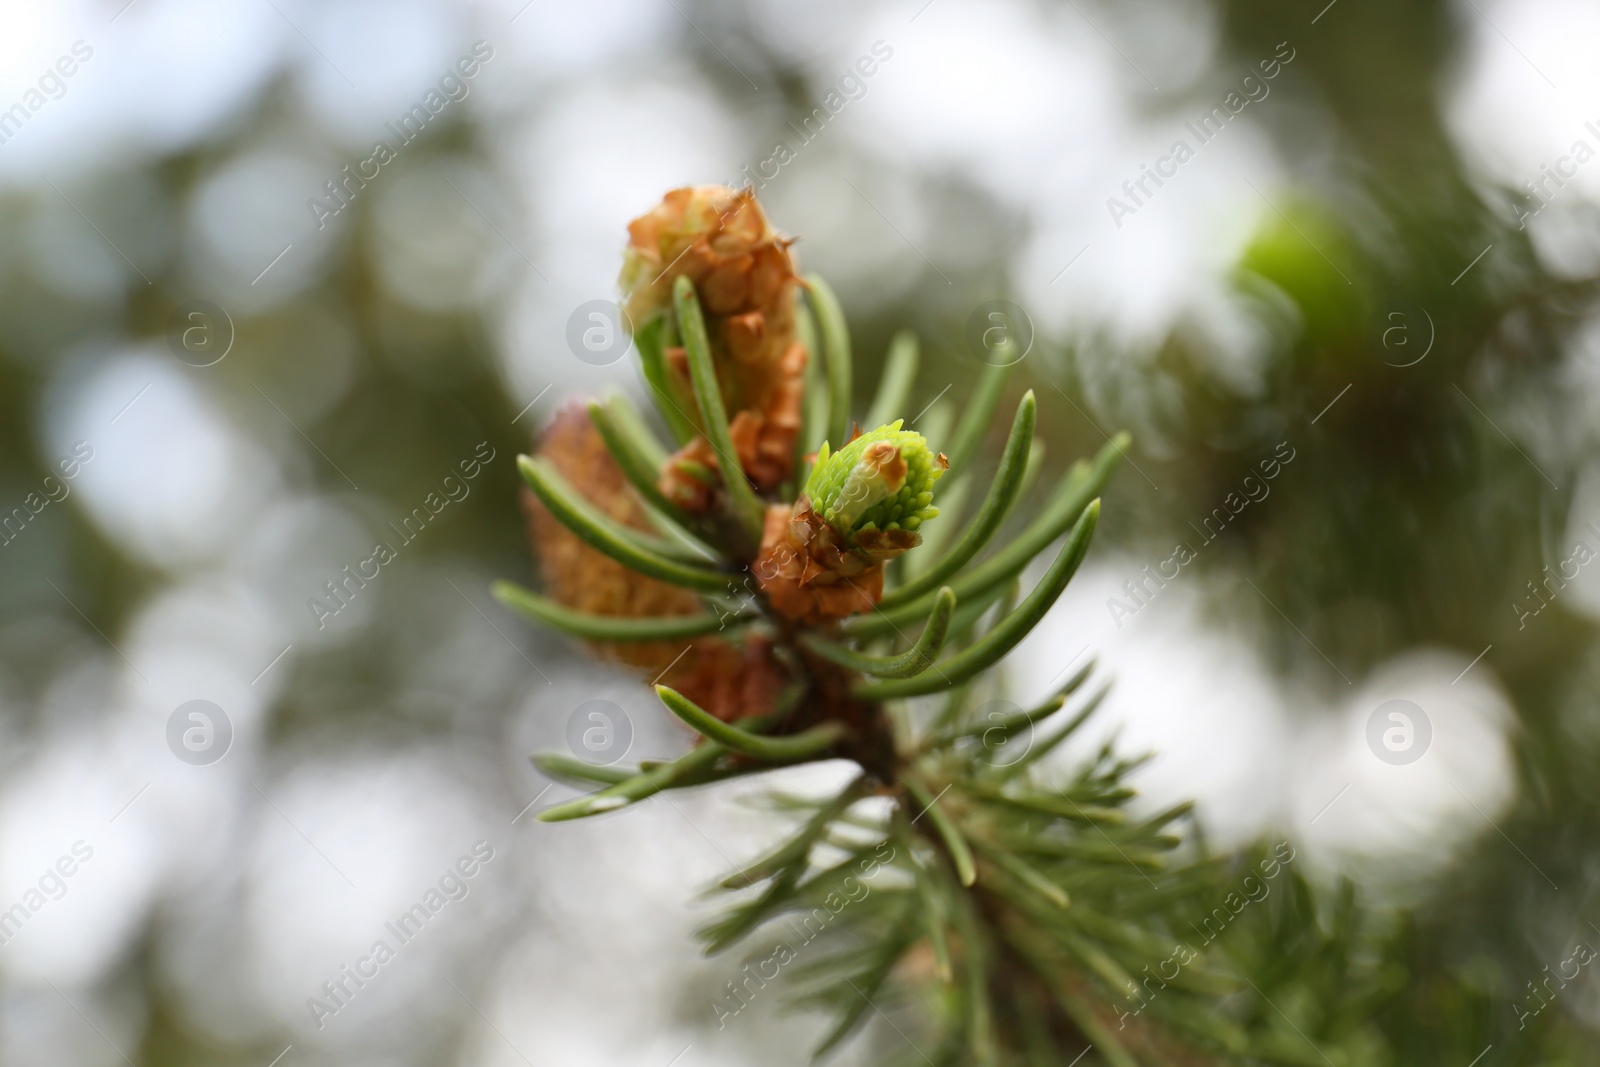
[1358,272]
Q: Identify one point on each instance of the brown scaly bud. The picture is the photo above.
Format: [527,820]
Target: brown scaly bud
[861,507]
[745,277]
[808,572]
[729,680]
[577,575]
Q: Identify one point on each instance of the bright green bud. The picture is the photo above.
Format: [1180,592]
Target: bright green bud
[883,480]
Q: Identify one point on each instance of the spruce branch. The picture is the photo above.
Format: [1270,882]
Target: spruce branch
[1032,918]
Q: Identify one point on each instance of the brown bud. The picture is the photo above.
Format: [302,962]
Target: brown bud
[807,571]
[727,679]
[745,276]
